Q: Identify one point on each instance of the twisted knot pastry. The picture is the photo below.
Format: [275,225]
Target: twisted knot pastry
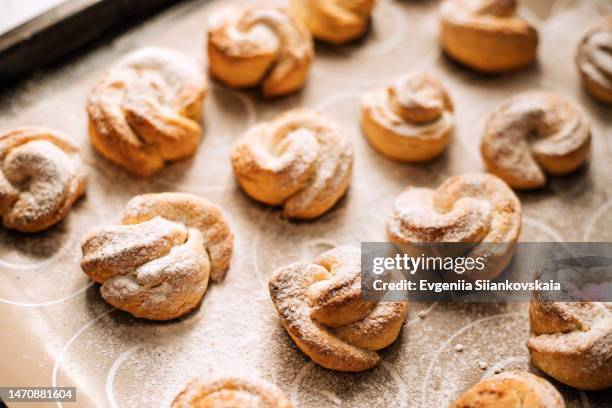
[320,306]
[510,390]
[299,160]
[334,21]
[147,109]
[594,60]
[572,342]
[231,393]
[473,208]
[41,176]
[487,35]
[409,120]
[261,46]
[561,144]
[156,264]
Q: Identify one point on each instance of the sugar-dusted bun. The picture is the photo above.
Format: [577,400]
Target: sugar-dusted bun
[594,60]
[334,21]
[572,342]
[409,120]
[320,306]
[512,153]
[300,161]
[41,176]
[487,35]
[157,263]
[146,110]
[264,47]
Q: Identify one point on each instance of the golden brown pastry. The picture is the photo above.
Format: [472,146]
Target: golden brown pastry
[261,47]
[408,120]
[562,143]
[511,389]
[231,393]
[147,109]
[487,35]
[572,342]
[474,208]
[320,306]
[594,60]
[41,176]
[156,264]
[299,160]
[334,21]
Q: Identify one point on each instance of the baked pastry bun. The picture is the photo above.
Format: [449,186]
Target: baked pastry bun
[562,143]
[147,109]
[260,47]
[320,306]
[476,208]
[487,35]
[334,21]
[409,120]
[572,342]
[41,176]
[510,390]
[300,161]
[157,263]
[231,393]
[594,60]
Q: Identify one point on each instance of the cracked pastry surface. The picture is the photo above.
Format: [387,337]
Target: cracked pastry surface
[594,60]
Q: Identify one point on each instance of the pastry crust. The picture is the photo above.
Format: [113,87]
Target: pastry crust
[299,161]
[594,60]
[572,342]
[562,144]
[487,35]
[41,177]
[334,21]
[320,306]
[231,393]
[509,390]
[146,110]
[409,120]
[260,47]
[157,263]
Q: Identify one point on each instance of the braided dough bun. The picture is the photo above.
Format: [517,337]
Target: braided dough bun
[147,109]
[510,390]
[572,342]
[334,21]
[320,306]
[594,60]
[156,264]
[409,120]
[562,143]
[299,160]
[41,176]
[487,35]
[476,208]
[260,46]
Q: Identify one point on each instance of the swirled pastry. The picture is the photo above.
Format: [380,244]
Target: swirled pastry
[476,208]
[334,21]
[487,35]
[409,120]
[231,393]
[261,46]
[320,306]
[157,263]
[572,342]
[41,176]
[146,110]
[594,60]
[561,144]
[510,390]
[299,160]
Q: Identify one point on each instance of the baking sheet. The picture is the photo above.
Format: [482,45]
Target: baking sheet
[57,330]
